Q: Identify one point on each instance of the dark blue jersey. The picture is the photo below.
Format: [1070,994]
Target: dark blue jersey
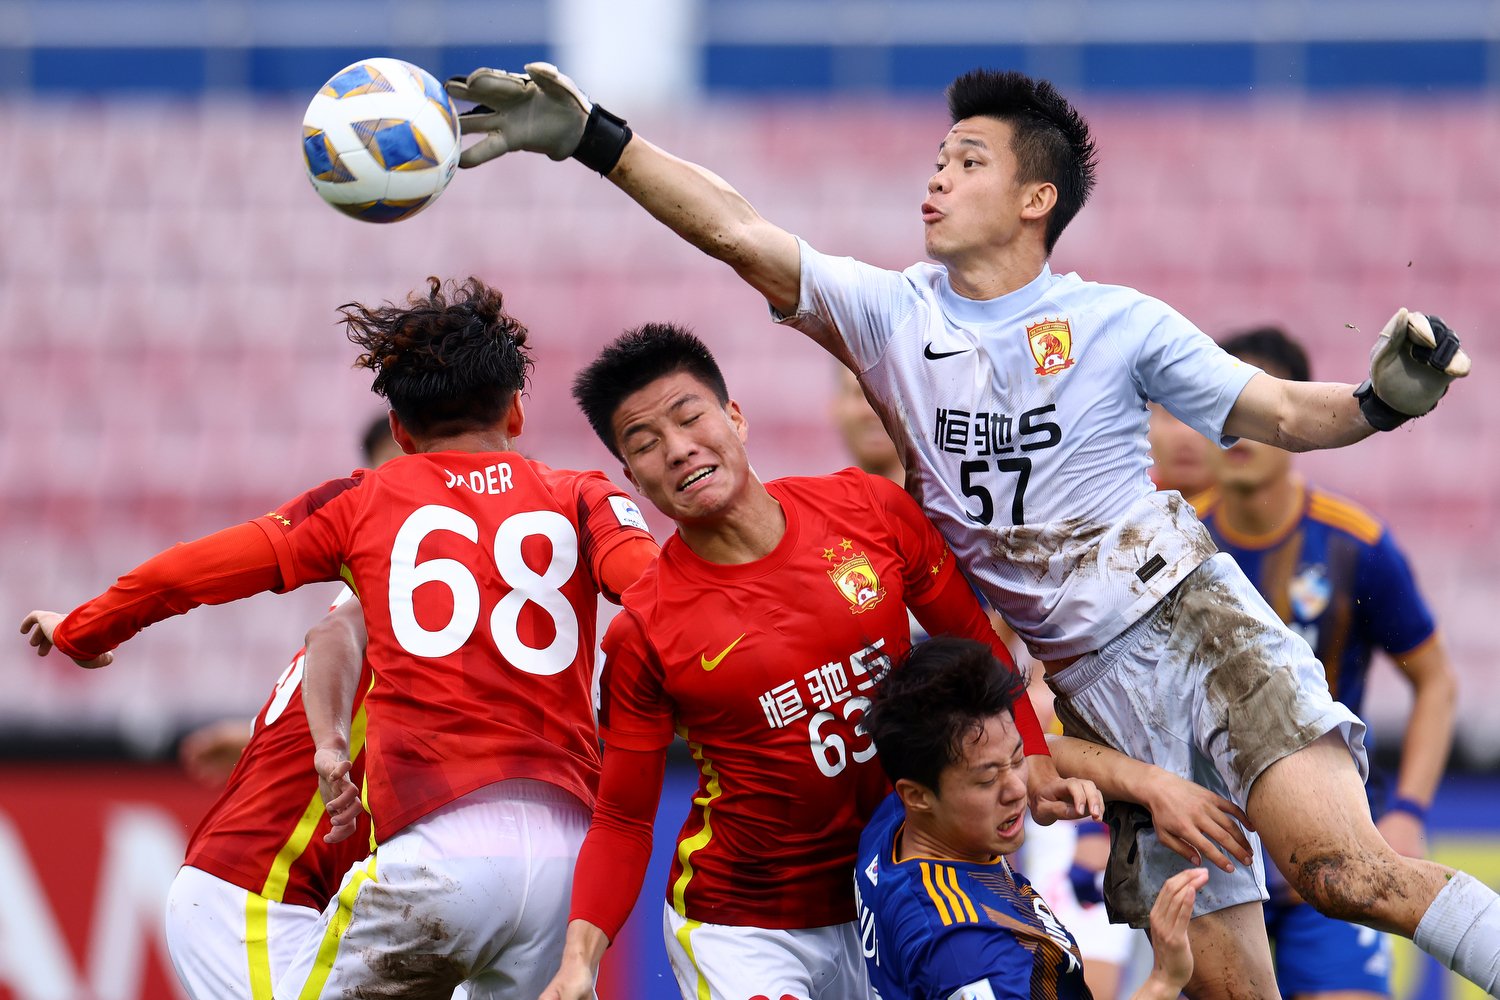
[1336,576]
[938,929]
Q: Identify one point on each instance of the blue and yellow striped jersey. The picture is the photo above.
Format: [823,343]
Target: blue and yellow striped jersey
[938,929]
[1335,576]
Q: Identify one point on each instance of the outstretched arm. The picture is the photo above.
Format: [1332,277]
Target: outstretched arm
[543,111]
[330,681]
[1415,358]
[225,566]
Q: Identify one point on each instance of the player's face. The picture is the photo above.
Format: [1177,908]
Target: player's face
[1180,455]
[864,435]
[974,201]
[1250,465]
[683,450]
[980,810]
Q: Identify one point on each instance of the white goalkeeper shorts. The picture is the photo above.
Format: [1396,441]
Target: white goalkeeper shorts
[228,943]
[1213,687]
[476,891]
[724,962]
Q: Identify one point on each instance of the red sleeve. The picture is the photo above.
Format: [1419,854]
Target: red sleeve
[926,552]
[608,519]
[612,862]
[625,564]
[634,711]
[225,566]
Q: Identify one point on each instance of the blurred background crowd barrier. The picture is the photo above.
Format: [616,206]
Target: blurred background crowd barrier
[173,364]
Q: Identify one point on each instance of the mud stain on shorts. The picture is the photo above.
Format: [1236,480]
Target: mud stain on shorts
[1254,703]
[417,971]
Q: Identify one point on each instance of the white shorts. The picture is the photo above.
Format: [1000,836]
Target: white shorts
[477,890]
[1211,686]
[724,962]
[229,943]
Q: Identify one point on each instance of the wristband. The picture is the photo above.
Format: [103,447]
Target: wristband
[604,140]
[1377,412]
[1087,827]
[1401,804]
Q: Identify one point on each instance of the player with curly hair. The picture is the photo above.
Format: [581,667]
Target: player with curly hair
[478,572]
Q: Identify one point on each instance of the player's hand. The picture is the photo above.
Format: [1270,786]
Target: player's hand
[210,752]
[1196,823]
[340,796]
[539,111]
[1172,958]
[1413,362]
[1053,798]
[574,981]
[41,624]
[1406,834]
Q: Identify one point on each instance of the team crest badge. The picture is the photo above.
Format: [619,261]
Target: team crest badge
[1051,343]
[1310,591]
[856,580]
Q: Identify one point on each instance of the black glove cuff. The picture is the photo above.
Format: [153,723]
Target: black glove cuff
[604,139]
[1377,412]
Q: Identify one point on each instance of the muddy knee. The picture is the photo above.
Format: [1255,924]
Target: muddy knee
[1344,886]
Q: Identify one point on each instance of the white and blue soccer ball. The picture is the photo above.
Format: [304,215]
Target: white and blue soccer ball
[380,140]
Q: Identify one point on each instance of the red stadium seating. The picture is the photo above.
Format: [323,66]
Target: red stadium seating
[167,305]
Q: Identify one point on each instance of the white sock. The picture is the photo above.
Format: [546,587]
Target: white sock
[1461,929]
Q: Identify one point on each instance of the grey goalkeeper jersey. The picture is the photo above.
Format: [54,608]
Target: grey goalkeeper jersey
[1022,420]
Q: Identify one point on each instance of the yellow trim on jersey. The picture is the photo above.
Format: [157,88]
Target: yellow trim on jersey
[347,575]
[954,889]
[1339,513]
[258,945]
[689,925]
[275,884]
[932,893]
[1246,540]
[687,848]
[1204,502]
[333,934]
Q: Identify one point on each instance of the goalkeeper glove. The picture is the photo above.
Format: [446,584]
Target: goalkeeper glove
[1411,366]
[539,111]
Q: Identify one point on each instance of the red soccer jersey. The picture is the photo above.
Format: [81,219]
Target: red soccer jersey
[765,669]
[265,832]
[478,577]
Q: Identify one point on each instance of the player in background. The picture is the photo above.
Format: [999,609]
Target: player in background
[1335,575]
[942,913]
[1179,458]
[210,752]
[258,870]
[1022,396]
[478,572]
[860,429]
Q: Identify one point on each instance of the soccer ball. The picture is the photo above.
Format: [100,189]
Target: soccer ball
[380,140]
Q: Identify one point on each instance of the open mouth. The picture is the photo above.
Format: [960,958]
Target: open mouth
[1011,827]
[697,477]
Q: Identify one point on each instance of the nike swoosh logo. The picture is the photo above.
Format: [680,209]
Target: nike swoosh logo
[931,355]
[710,664]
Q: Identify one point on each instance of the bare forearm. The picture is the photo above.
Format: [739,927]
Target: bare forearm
[584,945]
[1298,416]
[707,212]
[1428,740]
[1118,777]
[330,678]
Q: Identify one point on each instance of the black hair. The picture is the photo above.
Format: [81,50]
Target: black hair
[1273,345]
[449,361]
[634,360]
[936,700]
[1051,139]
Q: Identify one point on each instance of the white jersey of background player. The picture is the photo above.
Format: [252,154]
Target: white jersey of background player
[1206,681]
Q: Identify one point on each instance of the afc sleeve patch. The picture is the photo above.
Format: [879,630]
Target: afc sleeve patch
[974,991]
[627,513]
